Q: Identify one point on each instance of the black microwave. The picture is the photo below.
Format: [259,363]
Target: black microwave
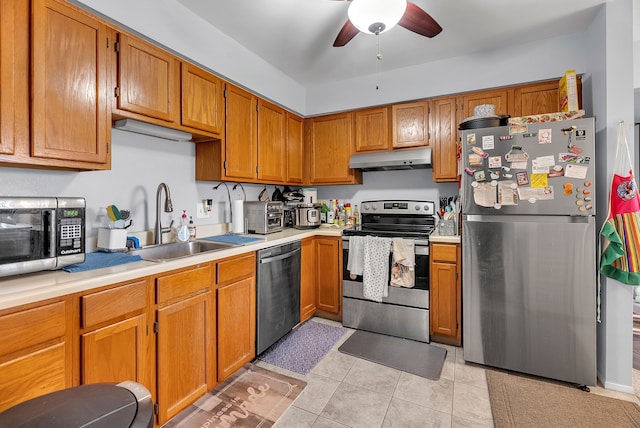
[40,233]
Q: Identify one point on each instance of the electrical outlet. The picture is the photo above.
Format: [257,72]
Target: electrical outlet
[201,212]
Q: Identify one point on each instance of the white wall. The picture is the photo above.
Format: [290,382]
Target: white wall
[544,59]
[610,91]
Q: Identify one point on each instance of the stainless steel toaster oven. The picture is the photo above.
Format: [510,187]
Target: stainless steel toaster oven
[264,217]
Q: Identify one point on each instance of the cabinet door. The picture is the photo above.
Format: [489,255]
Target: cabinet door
[241,137]
[14,75]
[501,98]
[295,149]
[236,326]
[307,279]
[445,294]
[116,353]
[148,79]
[331,147]
[202,99]
[372,129]
[35,353]
[536,98]
[271,142]
[328,274]
[186,353]
[444,139]
[70,116]
[410,124]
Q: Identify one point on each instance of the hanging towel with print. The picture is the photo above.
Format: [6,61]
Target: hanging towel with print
[620,255]
[404,261]
[375,276]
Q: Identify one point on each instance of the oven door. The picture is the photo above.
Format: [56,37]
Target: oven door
[27,238]
[403,313]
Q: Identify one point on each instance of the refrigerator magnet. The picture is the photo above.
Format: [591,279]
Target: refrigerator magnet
[494,175]
[479,176]
[471,139]
[495,161]
[475,160]
[522,178]
[488,142]
[576,171]
[517,129]
[567,188]
[556,171]
[544,136]
[516,154]
[539,180]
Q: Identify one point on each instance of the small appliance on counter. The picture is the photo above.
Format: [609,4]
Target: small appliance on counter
[307,216]
[40,233]
[264,217]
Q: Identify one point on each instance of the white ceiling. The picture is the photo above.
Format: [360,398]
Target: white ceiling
[296,36]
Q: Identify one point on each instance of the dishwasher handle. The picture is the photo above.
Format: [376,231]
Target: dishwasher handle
[279,257]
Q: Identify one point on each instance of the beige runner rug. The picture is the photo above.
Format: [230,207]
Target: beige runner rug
[252,397]
[517,401]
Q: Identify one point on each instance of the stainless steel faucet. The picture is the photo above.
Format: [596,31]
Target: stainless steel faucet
[168,207]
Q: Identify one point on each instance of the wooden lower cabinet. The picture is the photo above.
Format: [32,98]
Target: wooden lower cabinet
[35,352]
[445,294]
[307,279]
[328,260]
[236,299]
[186,338]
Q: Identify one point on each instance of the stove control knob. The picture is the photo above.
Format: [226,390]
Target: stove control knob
[426,209]
[417,207]
[366,207]
[374,207]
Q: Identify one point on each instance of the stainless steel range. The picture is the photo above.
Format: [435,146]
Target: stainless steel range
[405,312]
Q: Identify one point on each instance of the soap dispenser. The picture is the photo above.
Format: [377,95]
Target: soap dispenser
[183,232]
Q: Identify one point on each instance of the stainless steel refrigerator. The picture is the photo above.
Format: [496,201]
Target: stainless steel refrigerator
[529,249]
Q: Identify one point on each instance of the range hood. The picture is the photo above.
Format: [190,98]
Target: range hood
[144,128]
[396,159]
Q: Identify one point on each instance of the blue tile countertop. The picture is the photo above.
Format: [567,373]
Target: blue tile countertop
[99,260]
[232,239]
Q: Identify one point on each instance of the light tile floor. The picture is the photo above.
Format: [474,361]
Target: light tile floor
[344,391]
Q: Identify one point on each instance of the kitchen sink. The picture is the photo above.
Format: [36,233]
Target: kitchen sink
[177,250]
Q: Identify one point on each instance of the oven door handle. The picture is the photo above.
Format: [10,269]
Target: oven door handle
[279,257]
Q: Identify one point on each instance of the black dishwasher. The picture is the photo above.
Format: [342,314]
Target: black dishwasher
[278,293]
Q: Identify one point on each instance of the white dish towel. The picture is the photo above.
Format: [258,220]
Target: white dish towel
[355,263]
[375,277]
[404,261]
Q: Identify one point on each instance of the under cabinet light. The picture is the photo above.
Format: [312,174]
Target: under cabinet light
[144,128]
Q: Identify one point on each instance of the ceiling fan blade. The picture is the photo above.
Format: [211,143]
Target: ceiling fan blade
[419,21]
[347,33]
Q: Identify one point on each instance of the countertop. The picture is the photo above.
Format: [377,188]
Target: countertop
[30,288]
[434,237]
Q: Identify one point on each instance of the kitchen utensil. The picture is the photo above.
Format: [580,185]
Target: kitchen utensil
[264,195]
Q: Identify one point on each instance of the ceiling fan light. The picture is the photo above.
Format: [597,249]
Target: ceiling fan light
[364,13]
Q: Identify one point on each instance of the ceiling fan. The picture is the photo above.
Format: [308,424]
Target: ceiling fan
[378,16]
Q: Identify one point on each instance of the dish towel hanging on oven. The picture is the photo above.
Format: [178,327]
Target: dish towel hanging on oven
[375,276]
[355,263]
[404,261]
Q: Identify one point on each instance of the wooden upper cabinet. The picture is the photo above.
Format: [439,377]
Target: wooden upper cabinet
[536,98]
[202,99]
[272,149]
[331,145]
[295,149]
[69,110]
[148,82]
[372,129]
[444,139]
[501,98]
[241,136]
[410,124]
[14,75]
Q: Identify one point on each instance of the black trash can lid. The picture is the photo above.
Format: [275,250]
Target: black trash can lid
[91,406]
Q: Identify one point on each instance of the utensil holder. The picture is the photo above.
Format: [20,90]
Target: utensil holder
[112,239]
[446,228]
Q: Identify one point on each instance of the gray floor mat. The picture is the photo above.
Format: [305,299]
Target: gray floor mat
[418,358]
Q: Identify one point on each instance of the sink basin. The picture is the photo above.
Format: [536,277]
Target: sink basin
[177,250]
